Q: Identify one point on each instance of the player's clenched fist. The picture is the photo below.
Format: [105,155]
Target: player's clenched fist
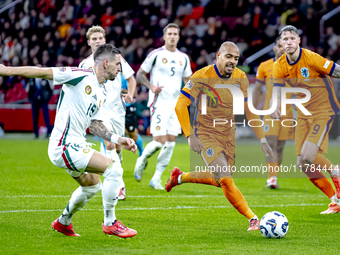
[276,114]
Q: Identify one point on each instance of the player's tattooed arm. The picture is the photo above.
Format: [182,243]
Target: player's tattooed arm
[336,72]
[142,79]
[98,128]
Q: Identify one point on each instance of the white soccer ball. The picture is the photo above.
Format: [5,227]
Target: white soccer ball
[274,225]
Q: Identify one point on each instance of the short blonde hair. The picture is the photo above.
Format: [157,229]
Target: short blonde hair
[170,25]
[95,29]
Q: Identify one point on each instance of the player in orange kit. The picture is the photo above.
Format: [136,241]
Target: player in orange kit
[276,134]
[216,143]
[305,69]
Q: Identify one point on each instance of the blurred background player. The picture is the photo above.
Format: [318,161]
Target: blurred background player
[39,92]
[131,121]
[114,106]
[275,133]
[303,68]
[216,144]
[168,67]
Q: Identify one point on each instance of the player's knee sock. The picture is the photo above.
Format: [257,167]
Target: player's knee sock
[163,159]
[320,181]
[111,185]
[199,177]
[322,162]
[139,144]
[79,199]
[150,149]
[235,197]
[272,169]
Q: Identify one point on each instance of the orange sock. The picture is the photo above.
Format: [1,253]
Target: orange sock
[199,177]
[321,181]
[321,160]
[235,197]
[272,169]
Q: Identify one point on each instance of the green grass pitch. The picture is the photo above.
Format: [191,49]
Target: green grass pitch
[191,219]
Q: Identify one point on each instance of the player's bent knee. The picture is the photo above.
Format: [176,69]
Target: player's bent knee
[90,191]
[113,171]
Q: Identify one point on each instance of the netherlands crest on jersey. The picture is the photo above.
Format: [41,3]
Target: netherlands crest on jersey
[305,72]
[210,152]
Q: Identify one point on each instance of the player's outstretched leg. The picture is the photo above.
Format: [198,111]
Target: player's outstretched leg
[66,230]
[173,181]
[118,229]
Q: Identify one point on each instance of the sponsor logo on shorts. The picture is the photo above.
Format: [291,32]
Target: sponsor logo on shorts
[164,60]
[62,69]
[210,152]
[266,128]
[86,150]
[158,127]
[88,89]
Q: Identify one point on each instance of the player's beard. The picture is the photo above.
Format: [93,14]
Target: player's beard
[112,76]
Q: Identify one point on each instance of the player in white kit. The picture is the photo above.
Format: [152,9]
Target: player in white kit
[168,67]
[78,108]
[114,108]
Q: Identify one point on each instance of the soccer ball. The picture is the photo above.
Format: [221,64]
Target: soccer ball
[274,225]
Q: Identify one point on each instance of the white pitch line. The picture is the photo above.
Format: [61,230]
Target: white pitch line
[166,208]
[159,196]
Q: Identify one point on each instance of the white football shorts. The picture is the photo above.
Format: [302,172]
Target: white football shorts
[164,121]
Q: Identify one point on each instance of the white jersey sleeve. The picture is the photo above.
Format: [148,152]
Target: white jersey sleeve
[70,76]
[127,71]
[187,70]
[149,62]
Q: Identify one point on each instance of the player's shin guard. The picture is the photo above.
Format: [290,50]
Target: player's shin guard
[235,197]
[111,185]
[320,181]
[163,159]
[199,177]
[139,144]
[79,199]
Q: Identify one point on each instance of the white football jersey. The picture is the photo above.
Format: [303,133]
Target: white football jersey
[114,105]
[167,69]
[79,102]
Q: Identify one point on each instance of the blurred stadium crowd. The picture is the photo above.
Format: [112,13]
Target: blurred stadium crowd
[53,33]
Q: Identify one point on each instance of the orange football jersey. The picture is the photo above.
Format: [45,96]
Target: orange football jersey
[309,71]
[219,101]
[264,75]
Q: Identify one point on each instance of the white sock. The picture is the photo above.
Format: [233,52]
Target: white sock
[335,199]
[179,179]
[164,159]
[150,149]
[254,218]
[78,200]
[111,185]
